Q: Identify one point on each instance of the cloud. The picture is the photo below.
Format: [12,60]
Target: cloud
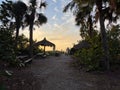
[54,17]
[64,3]
[54,1]
[66,16]
[68,19]
[56,9]
[56,26]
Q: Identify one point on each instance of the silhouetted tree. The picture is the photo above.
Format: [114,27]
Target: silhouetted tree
[34,18]
[11,11]
[104,9]
[18,10]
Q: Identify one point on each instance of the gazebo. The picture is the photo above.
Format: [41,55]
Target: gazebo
[45,43]
[82,44]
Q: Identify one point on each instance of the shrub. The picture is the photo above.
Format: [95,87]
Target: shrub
[7,52]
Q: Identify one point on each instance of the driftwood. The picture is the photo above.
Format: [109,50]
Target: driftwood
[28,61]
[24,60]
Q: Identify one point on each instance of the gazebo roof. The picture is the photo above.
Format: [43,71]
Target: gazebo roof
[82,44]
[44,42]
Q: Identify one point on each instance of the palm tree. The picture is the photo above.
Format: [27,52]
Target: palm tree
[18,10]
[82,12]
[104,10]
[13,11]
[34,18]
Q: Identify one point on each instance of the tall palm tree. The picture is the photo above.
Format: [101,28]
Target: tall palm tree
[34,18]
[104,10]
[18,11]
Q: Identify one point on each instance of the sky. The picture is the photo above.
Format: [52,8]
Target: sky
[60,27]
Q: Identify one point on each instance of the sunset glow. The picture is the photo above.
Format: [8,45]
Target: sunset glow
[60,28]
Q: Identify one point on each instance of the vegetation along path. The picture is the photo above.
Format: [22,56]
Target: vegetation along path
[55,73]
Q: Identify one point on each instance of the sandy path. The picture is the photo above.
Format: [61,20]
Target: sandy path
[54,73]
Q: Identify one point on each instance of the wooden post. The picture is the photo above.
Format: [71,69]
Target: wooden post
[44,49]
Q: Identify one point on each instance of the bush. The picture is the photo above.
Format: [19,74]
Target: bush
[23,46]
[114,45]
[7,52]
[90,58]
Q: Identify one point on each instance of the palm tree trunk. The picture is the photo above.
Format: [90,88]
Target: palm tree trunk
[32,17]
[31,40]
[17,31]
[99,4]
[104,41]
[90,32]
[16,37]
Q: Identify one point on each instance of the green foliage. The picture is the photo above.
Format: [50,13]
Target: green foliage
[114,44]
[23,46]
[2,87]
[36,50]
[7,45]
[92,58]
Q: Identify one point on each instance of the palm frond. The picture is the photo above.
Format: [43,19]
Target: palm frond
[26,21]
[42,19]
[33,3]
[43,4]
[118,7]
[19,8]
[70,6]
